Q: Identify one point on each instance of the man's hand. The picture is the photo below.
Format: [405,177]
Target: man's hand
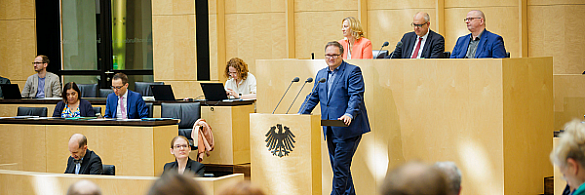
[346,119]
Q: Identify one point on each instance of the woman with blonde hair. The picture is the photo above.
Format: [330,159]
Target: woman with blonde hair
[569,155]
[355,45]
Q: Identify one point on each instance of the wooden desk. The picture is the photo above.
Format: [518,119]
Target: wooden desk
[493,117]
[136,148]
[22,182]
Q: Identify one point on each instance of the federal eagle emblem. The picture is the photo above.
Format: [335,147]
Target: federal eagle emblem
[280,143]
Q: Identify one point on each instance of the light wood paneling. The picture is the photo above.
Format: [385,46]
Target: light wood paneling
[325,6]
[560,183]
[298,172]
[391,25]
[557,2]
[314,29]
[258,6]
[17,48]
[213,46]
[254,36]
[557,34]
[20,182]
[175,56]
[21,143]
[400,5]
[442,110]
[479,4]
[499,20]
[231,133]
[17,9]
[173,7]
[569,99]
[183,89]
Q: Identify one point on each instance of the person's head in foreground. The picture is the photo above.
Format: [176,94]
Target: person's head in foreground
[173,183]
[414,178]
[84,187]
[569,155]
[453,176]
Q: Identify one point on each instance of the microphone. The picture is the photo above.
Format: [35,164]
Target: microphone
[399,44]
[309,80]
[380,51]
[296,79]
[312,91]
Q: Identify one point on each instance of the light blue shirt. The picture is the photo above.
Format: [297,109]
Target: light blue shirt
[41,88]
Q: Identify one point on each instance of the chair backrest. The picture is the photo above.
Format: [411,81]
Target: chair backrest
[507,54]
[98,111]
[105,92]
[32,111]
[379,54]
[189,113]
[88,90]
[150,111]
[108,169]
[446,54]
[144,87]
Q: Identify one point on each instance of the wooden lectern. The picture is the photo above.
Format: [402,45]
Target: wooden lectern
[286,153]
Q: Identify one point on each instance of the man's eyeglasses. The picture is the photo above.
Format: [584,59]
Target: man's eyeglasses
[332,56]
[417,25]
[35,63]
[470,19]
[181,146]
[119,87]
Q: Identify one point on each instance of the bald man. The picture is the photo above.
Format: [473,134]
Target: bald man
[480,43]
[84,187]
[82,160]
[422,42]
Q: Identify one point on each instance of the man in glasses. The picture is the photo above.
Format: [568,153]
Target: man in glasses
[123,103]
[82,160]
[42,84]
[422,42]
[480,43]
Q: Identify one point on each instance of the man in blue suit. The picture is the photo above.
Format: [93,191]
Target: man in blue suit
[341,98]
[124,103]
[481,43]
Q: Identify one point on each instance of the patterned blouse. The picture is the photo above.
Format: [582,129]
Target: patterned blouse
[66,113]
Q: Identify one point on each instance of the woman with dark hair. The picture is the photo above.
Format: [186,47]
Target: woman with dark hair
[180,148]
[241,83]
[72,104]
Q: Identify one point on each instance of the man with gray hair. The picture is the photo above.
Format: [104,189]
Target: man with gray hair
[84,187]
[422,42]
[453,176]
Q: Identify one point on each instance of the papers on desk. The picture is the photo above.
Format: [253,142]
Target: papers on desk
[156,119]
[102,119]
[17,117]
[51,98]
[42,118]
[120,119]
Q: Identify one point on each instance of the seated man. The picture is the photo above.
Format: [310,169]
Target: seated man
[480,43]
[43,84]
[82,160]
[422,42]
[3,81]
[124,103]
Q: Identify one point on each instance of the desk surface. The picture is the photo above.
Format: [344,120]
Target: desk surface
[102,101]
[60,121]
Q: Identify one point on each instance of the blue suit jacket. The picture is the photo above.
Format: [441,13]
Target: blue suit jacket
[347,97]
[135,109]
[490,46]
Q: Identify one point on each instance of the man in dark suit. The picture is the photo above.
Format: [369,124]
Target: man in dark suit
[422,42]
[480,43]
[3,81]
[82,160]
[124,103]
[341,98]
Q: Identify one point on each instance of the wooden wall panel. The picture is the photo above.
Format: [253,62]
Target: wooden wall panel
[173,7]
[17,9]
[500,20]
[183,89]
[569,98]
[23,144]
[174,57]
[557,34]
[315,29]
[325,6]
[257,6]
[400,5]
[17,48]
[479,4]
[254,36]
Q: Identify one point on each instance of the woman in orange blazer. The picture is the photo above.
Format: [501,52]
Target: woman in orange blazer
[355,45]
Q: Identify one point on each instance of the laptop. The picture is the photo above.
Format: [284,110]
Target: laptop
[10,91]
[162,92]
[214,91]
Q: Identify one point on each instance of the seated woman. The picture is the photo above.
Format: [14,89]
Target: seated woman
[355,45]
[240,83]
[183,164]
[72,104]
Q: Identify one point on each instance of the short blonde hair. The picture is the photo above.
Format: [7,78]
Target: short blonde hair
[355,26]
[571,144]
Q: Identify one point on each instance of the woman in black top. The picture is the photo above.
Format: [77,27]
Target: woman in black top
[183,164]
[72,104]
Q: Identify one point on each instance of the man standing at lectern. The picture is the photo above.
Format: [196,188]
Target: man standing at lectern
[341,98]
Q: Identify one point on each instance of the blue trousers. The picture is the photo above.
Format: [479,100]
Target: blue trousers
[341,153]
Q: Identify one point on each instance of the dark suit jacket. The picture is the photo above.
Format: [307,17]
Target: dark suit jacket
[92,164]
[347,97]
[193,167]
[85,109]
[3,81]
[433,48]
[136,107]
[490,46]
